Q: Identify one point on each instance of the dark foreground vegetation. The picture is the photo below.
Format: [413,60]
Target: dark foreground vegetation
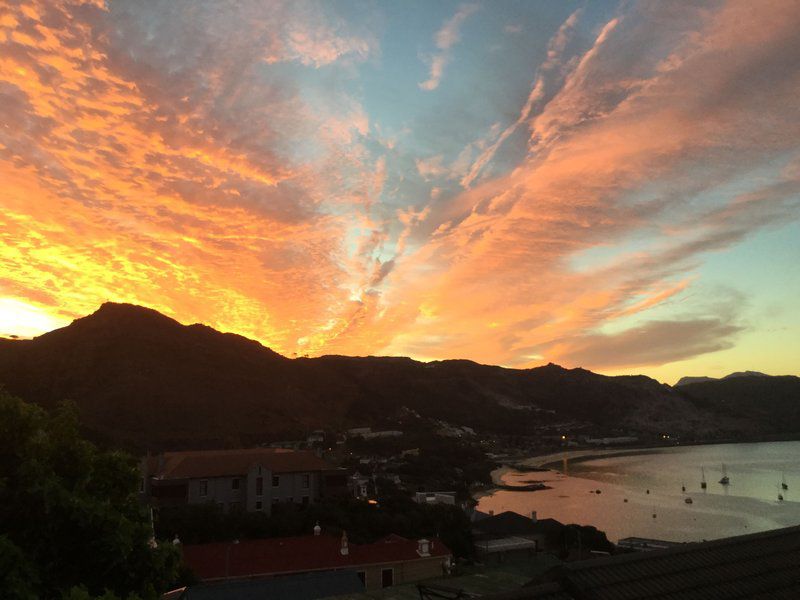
[71,524]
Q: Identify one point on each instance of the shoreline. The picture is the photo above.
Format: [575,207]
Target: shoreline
[553,461]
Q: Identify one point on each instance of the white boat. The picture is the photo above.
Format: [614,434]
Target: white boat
[725,479]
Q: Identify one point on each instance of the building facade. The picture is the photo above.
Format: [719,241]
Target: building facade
[252,480]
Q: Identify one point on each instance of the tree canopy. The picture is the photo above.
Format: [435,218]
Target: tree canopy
[71,524]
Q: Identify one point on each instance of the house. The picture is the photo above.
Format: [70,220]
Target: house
[760,565]
[250,479]
[389,561]
[316,437]
[509,534]
[360,484]
[435,498]
[638,544]
[381,434]
[612,441]
[357,431]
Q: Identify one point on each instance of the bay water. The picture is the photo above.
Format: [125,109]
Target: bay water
[640,492]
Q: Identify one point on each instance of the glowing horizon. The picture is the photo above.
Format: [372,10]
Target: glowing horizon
[610,186]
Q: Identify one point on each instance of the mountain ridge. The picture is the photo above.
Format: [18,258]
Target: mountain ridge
[143,378]
[703,378]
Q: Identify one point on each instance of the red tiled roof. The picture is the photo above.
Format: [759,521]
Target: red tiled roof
[250,558]
[225,463]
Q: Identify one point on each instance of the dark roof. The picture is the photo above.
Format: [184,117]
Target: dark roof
[252,558]
[307,586]
[511,523]
[761,565]
[544,591]
[226,463]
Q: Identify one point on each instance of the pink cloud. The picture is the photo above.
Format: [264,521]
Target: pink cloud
[447,37]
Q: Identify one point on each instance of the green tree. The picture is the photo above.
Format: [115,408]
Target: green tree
[70,518]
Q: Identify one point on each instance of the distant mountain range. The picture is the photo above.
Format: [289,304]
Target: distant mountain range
[688,380]
[142,379]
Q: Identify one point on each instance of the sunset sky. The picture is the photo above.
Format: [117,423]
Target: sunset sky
[599,184]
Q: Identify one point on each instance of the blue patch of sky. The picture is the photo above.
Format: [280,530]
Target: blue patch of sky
[485,83]
[680,211]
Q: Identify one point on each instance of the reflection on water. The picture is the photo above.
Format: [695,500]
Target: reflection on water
[634,488]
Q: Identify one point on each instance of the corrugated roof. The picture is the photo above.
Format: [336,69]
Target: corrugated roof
[226,463]
[271,556]
[729,568]
[760,565]
[308,586]
[544,591]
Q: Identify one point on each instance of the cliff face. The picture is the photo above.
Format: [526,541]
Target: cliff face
[143,379]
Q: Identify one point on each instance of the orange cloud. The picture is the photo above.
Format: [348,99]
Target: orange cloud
[172,161]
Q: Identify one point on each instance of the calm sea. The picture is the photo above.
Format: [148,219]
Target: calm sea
[748,504]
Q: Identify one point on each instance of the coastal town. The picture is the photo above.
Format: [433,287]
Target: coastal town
[399,300]
[368,513]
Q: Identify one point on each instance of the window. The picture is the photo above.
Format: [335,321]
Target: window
[306,481]
[276,481]
[235,482]
[235,506]
[305,500]
[289,499]
[387,577]
[141,485]
[259,486]
[362,575]
[221,506]
[276,500]
[259,505]
[203,488]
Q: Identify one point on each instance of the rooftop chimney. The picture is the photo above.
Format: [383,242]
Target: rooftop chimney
[423,547]
[317,529]
[344,549]
[533,516]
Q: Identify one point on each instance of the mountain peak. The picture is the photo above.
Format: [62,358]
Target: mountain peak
[703,379]
[117,310]
[746,374]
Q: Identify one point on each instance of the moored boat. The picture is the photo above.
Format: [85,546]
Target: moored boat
[725,479]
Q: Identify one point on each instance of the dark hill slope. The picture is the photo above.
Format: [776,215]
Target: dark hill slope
[772,402]
[142,378]
[137,375]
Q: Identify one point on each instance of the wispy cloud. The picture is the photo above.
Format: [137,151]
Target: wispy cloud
[445,39]
[159,146]
[231,167]
[538,92]
[624,123]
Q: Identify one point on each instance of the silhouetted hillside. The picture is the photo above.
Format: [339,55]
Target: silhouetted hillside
[773,402]
[687,380]
[142,378]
